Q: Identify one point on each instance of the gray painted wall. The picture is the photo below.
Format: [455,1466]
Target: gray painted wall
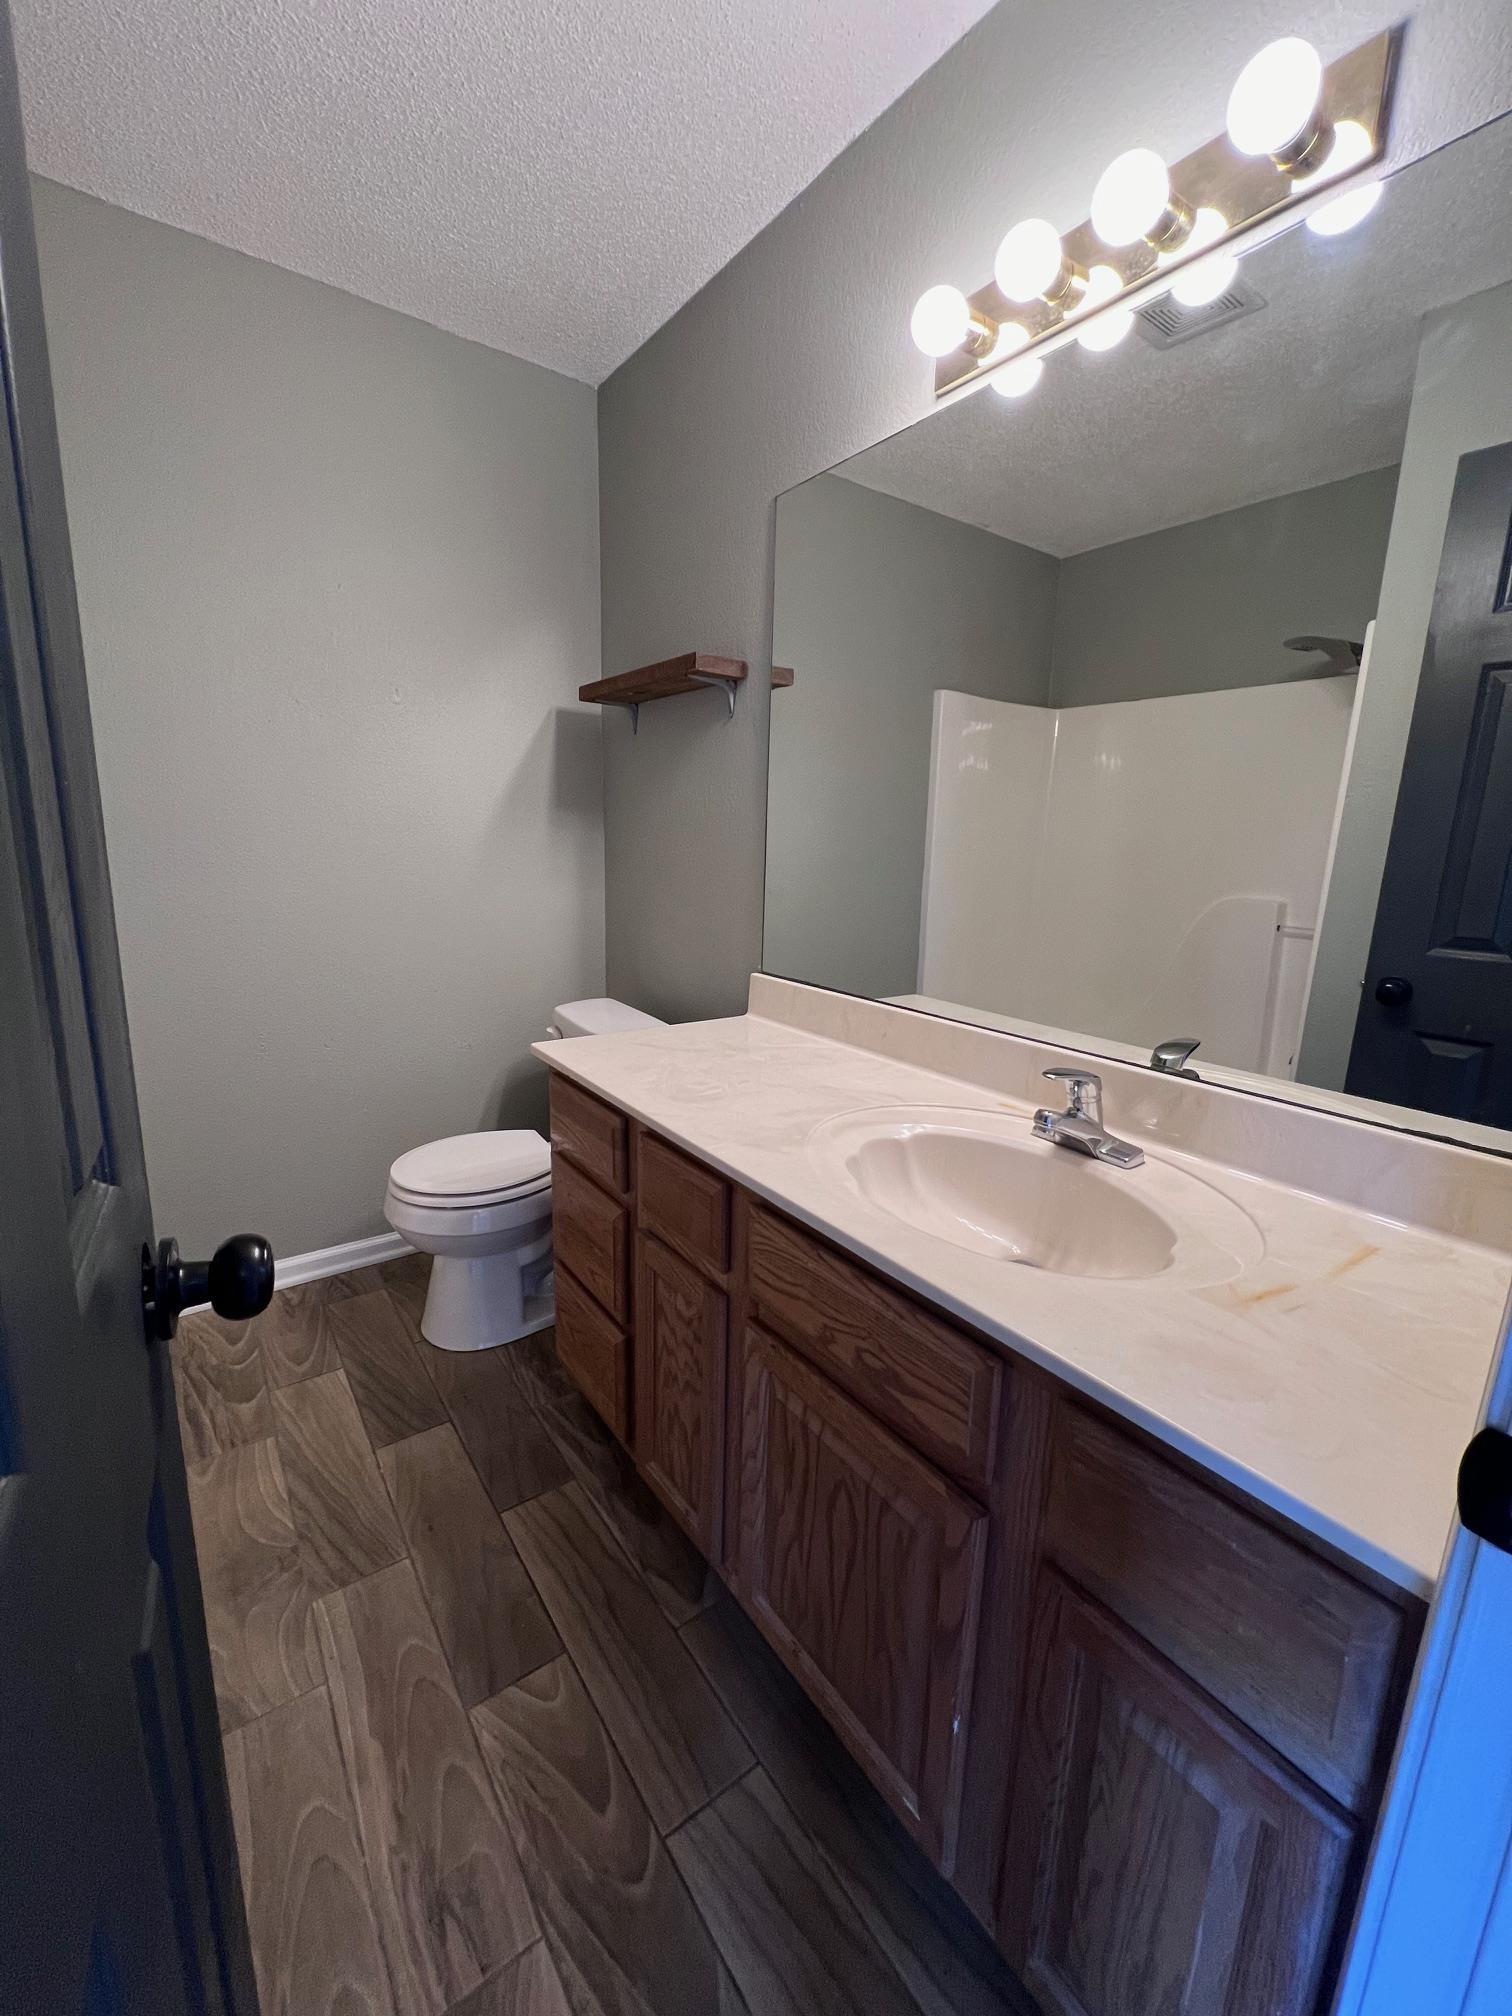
[339,581]
[878,603]
[1205,607]
[1461,401]
[797,355]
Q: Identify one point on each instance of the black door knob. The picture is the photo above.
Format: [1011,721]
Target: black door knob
[237,1283]
[1485,1488]
[1393,993]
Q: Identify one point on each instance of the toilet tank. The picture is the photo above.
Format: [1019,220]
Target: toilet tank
[602,1017]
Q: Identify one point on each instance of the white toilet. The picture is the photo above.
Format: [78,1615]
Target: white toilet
[481,1205]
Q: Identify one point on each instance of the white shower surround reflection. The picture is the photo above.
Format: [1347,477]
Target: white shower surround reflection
[1186,875]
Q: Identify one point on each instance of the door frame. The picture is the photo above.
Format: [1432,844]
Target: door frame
[1434,1925]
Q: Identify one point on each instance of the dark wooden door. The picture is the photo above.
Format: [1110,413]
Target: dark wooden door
[681,1322]
[117,1875]
[1435,1023]
[863,1567]
[1160,1862]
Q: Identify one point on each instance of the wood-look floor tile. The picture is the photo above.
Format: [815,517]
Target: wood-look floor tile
[315,1943]
[622,1930]
[500,1429]
[484,1606]
[541,1372]
[789,1934]
[678,1742]
[221,1387]
[526,1986]
[341,1511]
[389,1382]
[258,1603]
[675,1572]
[408,1280]
[294,1334]
[355,1281]
[451,1901]
[944,1956]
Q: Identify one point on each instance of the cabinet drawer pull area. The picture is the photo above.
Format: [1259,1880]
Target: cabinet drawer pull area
[595,1352]
[863,1568]
[1293,1646]
[938,1389]
[589,1133]
[685,1204]
[591,1234]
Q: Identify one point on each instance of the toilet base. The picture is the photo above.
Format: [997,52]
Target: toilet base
[475,1304]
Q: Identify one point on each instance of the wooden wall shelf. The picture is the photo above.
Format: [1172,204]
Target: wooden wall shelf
[692,672]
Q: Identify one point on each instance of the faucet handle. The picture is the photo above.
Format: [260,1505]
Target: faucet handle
[1172,1056]
[1083,1091]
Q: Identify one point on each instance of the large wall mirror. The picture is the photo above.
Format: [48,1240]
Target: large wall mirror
[1171,700]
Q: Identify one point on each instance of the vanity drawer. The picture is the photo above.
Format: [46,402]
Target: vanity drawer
[594,1135]
[938,1389]
[591,1235]
[683,1202]
[595,1351]
[1293,1646]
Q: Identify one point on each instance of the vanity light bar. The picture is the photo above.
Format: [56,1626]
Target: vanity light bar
[1296,127]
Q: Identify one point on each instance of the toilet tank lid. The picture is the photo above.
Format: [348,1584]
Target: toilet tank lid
[472,1165]
[601,1017]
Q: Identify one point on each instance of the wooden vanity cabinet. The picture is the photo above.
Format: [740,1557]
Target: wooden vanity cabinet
[1141,1722]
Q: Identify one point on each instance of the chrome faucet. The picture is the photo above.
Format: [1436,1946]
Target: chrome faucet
[1172,1056]
[1081,1125]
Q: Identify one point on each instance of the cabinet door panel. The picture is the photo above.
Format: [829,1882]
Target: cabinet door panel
[681,1322]
[1160,1862]
[863,1567]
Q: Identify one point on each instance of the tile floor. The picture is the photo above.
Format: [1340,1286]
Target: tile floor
[498,1742]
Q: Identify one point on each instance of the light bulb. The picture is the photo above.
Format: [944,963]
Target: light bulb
[1108,331]
[1132,196]
[1275,97]
[1029,261]
[1011,336]
[1015,380]
[1345,211]
[941,320]
[1113,324]
[1351,145]
[1205,279]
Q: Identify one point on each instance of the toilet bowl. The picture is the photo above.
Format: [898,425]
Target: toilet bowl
[480,1205]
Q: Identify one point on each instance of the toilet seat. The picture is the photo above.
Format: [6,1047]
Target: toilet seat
[469,1172]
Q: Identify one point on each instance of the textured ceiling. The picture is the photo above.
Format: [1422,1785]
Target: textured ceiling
[1313,386]
[552,180]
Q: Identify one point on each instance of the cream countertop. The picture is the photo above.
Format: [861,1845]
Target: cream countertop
[1336,1378]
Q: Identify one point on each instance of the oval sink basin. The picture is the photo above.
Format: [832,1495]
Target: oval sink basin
[982,1181]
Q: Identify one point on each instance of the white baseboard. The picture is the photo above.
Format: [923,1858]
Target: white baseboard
[301,1267]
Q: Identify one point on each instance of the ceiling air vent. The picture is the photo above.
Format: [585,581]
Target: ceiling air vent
[1165,323]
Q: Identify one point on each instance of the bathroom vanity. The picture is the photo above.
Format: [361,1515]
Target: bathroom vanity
[1130,1681]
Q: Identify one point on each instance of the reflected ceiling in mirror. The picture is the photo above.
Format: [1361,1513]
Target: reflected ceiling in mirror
[1081,740]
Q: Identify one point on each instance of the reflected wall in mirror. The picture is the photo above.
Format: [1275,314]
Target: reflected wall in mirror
[1168,701]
